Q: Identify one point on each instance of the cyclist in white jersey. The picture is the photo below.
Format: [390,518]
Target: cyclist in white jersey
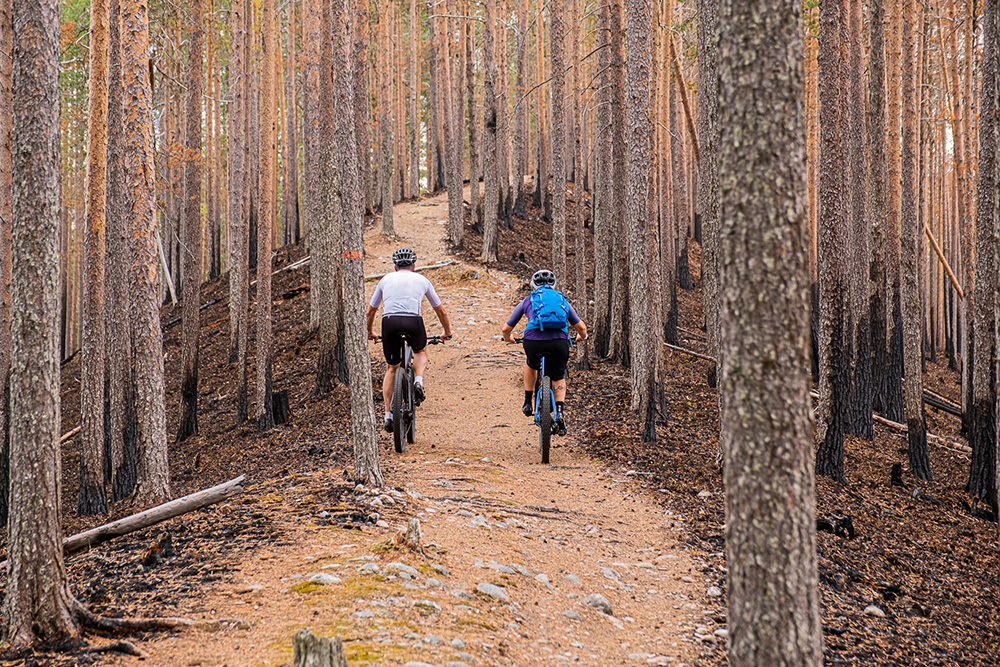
[401,295]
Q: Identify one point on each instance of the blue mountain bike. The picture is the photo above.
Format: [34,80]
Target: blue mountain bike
[545,408]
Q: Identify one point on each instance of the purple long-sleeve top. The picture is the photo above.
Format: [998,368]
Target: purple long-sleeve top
[524,310]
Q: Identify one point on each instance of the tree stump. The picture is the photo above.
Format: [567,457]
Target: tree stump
[279,407]
[312,651]
[413,534]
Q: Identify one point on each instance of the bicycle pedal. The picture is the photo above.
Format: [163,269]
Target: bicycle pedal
[418,393]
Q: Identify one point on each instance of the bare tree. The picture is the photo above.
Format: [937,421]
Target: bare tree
[638,122]
[265,225]
[362,107]
[385,114]
[6,205]
[290,188]
[766,425]
[603,208]
[191,230]
[415,86]
[557,34]
[470,85]
[366,464]
[93,495]
[38,604]
[491,233]
[153,476]
[982,476]
[619,349]
[708,175]
[521,110]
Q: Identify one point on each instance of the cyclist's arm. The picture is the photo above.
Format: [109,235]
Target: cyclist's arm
[445,322]
[507,330]
[371,320]
[581,330]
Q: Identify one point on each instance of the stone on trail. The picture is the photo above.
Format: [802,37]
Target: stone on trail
[598,602]
[714,592]
[572,615]
[573,579]
[610,574]
[480,520]
[457,643]
[433,583]
[456,663]
[322,578]
[544,579]
[427,606]
[502,569]
[440,569]
[465,513]
[492,590]
[459,593]
[403,567]
[520,569]
[872,610]
[433,640]
[415,663]
[363,613]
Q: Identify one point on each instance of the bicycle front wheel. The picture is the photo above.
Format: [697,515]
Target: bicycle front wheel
[545,416]
[399,412]
[411,409]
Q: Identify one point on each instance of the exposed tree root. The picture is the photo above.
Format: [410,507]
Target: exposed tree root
[128,648]
[89,619]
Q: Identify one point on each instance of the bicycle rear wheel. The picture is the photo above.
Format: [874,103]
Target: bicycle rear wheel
[545,416]
[411,409]
[399,411]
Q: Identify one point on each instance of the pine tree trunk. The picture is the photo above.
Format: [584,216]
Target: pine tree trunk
[386,176]
[602,193]
[541,198]
[237,180]
[362,107]
[557,34]
[638,122]
[521,111]
[153,477]
[6,208]
[893,387]
[491,178]
[37,605]
[982,475]
[366,464]
[92,497]
[619,352]
[708,176]
[191,230]
[453,91]
[265,221]
[912,358]
[310,117]
[121,438]
[475,205]
[290,190]
[765,423]
[834,361]
[667,241]
[860,421]
[415,86]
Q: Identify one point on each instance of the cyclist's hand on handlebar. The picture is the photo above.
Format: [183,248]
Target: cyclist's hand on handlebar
[446,336]
[372,336]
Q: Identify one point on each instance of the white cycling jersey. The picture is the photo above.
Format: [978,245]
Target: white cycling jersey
[402,293]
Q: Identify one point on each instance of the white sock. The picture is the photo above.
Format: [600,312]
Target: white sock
[388,415]
[419,379]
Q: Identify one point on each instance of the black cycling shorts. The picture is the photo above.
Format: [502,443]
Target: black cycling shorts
[556,353]
[397,327]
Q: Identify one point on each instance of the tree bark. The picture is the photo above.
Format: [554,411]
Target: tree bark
[602,191]
[491,176]
[708,175]
[386,176]
[191,230]
[983,435]
[362,106]
[893,387]
[153,477]
[521,110]
[38,604]
[415,86]
[290,189]
[92,497]
[619,349]
[557,34]
[834,361]
[265,224]
[470,83]
[766,429]
[860,322]
[916,427]
[366,463]
[6,211]
[642,332]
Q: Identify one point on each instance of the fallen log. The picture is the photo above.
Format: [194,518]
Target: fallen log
[938,440]
[691,352]
[150,517]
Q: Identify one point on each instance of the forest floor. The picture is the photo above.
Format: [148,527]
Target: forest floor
[640,524]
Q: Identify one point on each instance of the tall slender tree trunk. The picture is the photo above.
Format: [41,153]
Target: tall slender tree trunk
[491,232]
[38,604]
[386,179]
[237,186]
[708,176]
[153,476]
[877,174]
[521,110]
[456,111]
[541,198]
[909,237]
[557,34]
[893,387]
[834,361]
[362,106]
[6,212]
[982,476]
[415,86]
[860,321]
[366,463]
[92,494]
[290,190]
[265,220]
[475,205]
[603,213]
[191,230]
[619,350]
[642,332]
[766,429]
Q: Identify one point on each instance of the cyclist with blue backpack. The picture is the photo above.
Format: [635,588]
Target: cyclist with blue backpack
[547,335]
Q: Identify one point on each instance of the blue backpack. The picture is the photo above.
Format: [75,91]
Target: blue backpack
[549,310]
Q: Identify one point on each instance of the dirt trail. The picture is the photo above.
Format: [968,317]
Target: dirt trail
[545,536]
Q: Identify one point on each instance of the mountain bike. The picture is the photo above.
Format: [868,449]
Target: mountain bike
[545,408]
[404,406]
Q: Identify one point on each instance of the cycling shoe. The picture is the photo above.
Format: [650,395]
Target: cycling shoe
[387,425]
[527,410]
[418,393]
[559,427]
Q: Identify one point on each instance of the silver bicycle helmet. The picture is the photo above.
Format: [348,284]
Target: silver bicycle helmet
[543,277]
[404,257]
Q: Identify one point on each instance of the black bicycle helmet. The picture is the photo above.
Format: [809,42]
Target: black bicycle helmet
[404,257]
[543,277]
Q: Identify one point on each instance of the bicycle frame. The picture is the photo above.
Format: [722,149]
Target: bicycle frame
[538,396]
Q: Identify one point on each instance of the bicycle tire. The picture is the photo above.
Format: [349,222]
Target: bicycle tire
[411,413]
[399,412]
[545,416]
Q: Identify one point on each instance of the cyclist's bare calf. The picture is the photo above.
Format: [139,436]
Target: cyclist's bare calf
[558,386]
